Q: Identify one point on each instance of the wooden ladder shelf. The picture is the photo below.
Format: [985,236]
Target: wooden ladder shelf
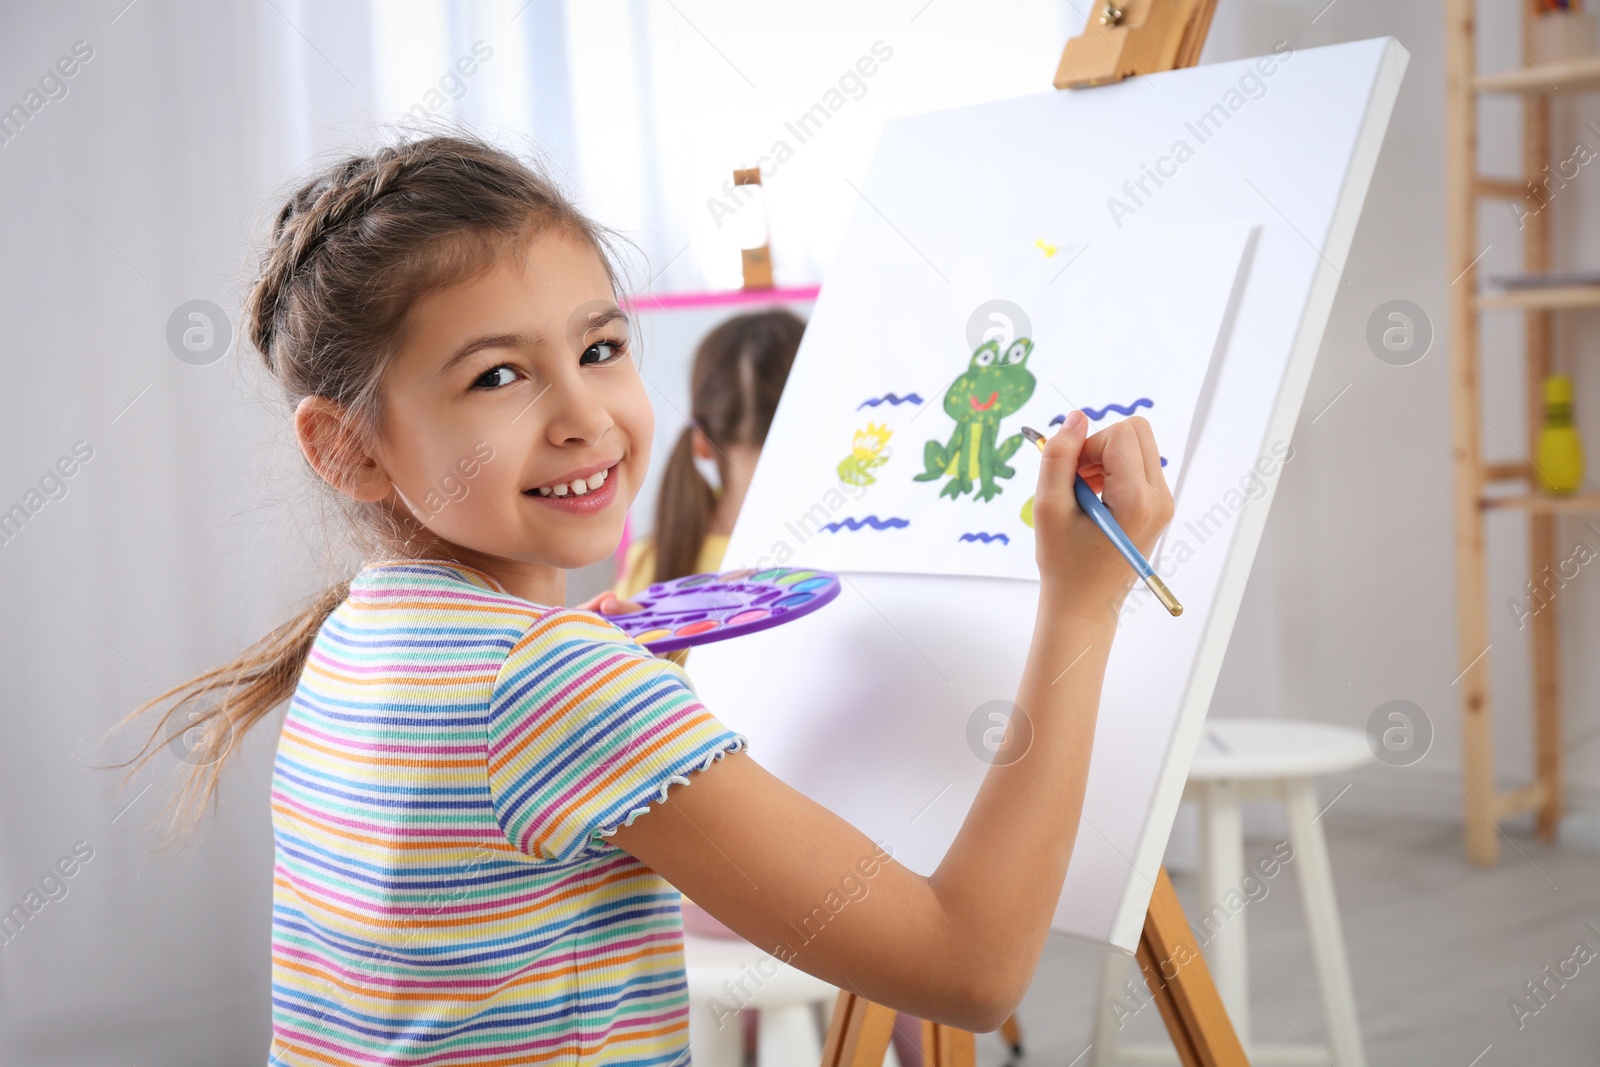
[1485,805]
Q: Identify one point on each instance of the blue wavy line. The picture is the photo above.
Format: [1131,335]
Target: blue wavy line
[986,537]
[909,398]
[1096,414]
[871,520]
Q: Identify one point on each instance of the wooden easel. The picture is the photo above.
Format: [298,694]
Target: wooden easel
[1121,39]
[1127,37]
[1176,972]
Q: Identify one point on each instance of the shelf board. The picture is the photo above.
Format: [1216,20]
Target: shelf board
[1567,296]
[1571,74]
[1517,471]
[1544,503]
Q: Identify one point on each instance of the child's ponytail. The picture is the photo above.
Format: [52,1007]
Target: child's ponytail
[739,373]
[212,710]
[683,511]
[349,252]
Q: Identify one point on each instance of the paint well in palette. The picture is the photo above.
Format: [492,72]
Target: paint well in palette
[703,626]
[713,607]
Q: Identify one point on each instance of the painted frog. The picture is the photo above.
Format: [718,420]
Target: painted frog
[995,384]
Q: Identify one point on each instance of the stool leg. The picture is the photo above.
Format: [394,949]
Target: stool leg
[1106,1040]
[788,1037]
[1219,930]
[1322,923]
[712,1046]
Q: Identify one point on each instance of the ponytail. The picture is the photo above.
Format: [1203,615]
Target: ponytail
[683,512]
[739,372]
[251,686]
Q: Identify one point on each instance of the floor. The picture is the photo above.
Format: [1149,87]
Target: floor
[1437,950]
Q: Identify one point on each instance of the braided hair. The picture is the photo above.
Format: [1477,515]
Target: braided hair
[348,253]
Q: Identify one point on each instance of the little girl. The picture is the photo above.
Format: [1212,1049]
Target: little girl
[739,371]
[477,838]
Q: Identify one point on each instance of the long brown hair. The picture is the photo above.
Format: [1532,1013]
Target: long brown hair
[347,254]
[739,372]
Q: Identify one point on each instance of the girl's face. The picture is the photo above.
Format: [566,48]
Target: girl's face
[515,426]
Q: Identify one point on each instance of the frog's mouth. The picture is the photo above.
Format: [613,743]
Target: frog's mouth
[986,405]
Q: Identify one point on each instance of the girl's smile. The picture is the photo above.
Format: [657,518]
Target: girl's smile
[583,492]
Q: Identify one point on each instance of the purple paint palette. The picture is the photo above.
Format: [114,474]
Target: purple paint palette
[701,608]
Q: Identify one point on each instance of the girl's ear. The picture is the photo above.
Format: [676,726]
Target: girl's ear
[335,451]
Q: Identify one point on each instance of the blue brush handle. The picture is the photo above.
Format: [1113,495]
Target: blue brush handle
[1096,509]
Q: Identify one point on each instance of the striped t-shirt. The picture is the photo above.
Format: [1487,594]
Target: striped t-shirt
[451,764]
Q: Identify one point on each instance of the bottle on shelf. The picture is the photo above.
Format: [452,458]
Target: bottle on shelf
[1560,459]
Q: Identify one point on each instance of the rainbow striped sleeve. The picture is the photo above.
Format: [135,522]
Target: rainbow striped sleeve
[586,729]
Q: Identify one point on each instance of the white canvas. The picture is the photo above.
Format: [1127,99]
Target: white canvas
[898,447]
[867,705]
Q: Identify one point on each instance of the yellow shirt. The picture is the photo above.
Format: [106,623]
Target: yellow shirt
[639,568]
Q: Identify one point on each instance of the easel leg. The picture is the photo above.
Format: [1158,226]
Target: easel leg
[1180,983]
[1182,987]
[945,1046]
[858,1034]
[1011,1033]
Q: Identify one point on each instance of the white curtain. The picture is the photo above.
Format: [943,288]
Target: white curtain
[171,546]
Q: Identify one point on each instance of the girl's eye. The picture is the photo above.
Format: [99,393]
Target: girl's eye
[495,377]
[603,352]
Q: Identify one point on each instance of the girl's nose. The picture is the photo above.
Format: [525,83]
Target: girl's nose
[577,415]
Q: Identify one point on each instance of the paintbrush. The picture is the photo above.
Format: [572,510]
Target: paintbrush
[1095,508]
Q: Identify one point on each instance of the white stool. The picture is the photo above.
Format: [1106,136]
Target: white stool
[738,975]
[1239,761]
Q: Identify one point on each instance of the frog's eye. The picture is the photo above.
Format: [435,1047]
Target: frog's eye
[985,356]
[1017,352]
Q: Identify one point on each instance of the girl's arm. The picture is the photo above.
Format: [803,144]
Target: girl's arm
[961,945]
